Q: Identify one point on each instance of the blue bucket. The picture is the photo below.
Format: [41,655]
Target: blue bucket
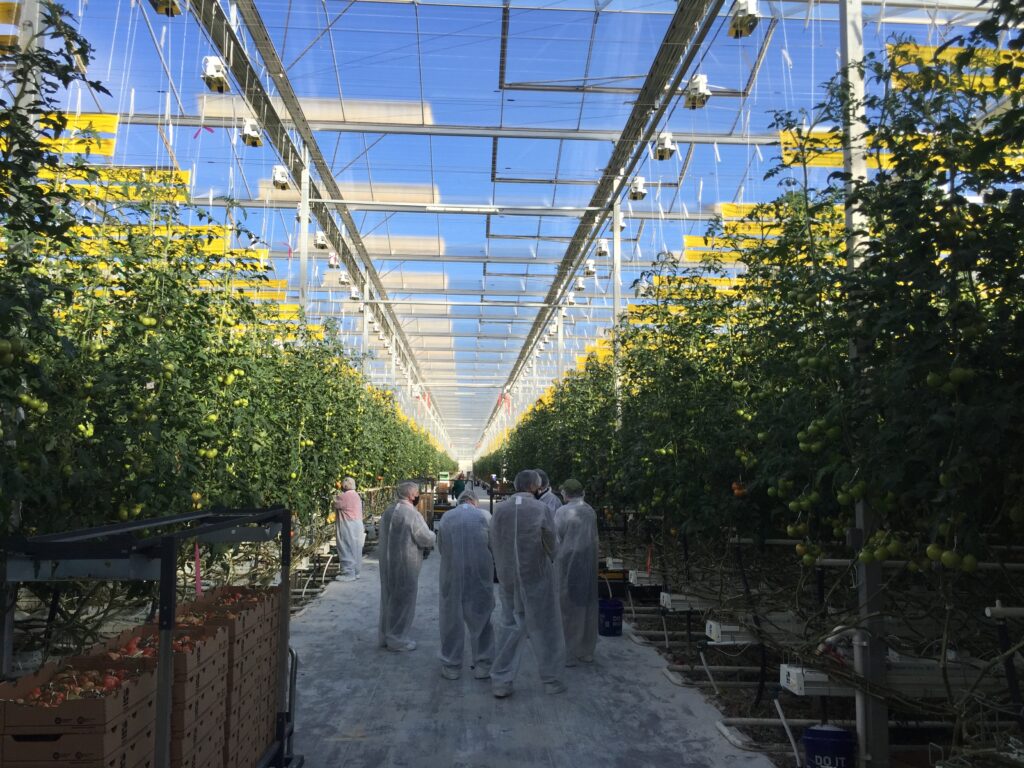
[827,746]
[609,618]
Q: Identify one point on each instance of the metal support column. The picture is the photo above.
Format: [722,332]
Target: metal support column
[365,348]
[616,257]
[616,296]
[165,654]
[284,706]
[304,232]
[9,597]
[869,651]
[560,342]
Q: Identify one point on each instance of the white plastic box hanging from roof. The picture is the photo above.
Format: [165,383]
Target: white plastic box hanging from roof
[665,147]
[280,177]
[638,188]
[252,134]
[335,278]
[697,92]
[166,7]
[215,74]
[744,19]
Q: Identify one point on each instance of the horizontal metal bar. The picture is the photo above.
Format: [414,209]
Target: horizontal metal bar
[132,568]
[523,304]
[471,131]
[104,531]
[240,534]
[539,211]
[796,10]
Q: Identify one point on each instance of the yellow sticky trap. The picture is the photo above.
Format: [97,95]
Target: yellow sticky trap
[10,13]
[901,54]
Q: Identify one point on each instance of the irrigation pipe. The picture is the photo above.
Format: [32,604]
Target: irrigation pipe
[707,671]
[805,722]
[789,733]
[842,562]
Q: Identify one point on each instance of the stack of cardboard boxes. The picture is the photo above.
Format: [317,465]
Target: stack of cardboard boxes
[251,620]
[89,714]
[98,710]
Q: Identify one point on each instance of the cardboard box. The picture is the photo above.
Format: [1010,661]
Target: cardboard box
[186,689]
[137,753]
[207,729]
[80,716]
[207,752]
[210,643]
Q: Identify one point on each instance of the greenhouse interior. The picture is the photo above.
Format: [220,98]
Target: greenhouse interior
[494,383]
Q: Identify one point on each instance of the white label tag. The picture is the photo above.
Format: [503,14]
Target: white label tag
[519,500]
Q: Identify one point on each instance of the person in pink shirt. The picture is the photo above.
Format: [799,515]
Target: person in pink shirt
[349,530]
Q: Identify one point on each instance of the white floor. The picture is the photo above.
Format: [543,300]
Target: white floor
[359,705]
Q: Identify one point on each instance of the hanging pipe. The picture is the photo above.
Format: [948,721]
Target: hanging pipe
[789,733]
[762,679]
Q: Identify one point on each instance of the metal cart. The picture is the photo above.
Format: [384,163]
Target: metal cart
[118,553]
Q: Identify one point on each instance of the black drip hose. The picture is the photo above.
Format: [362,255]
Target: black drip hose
[763,673]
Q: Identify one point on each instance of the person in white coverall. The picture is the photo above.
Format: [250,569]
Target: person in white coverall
[524,545]
[576,528]
[403,537]
[466,587]
[349,530]
[547,497]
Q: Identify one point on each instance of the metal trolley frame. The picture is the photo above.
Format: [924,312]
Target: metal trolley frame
[118,553]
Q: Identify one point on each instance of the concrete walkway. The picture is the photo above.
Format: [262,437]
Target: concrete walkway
[362,707]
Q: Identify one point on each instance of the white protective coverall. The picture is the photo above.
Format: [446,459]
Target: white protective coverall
[550,499]
[349,533]
[576,527]
[466,586]
[525,546]
[403,537]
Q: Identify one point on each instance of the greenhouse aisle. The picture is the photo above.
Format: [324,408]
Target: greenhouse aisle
[362,707]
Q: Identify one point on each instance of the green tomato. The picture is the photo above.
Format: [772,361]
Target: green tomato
[844,498]
[969,564]
[866,557]
[960,376]
[950,559]
[809,560]
[934,551]
[934,379]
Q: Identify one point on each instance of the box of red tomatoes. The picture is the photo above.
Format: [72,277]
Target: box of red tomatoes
[87,714]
